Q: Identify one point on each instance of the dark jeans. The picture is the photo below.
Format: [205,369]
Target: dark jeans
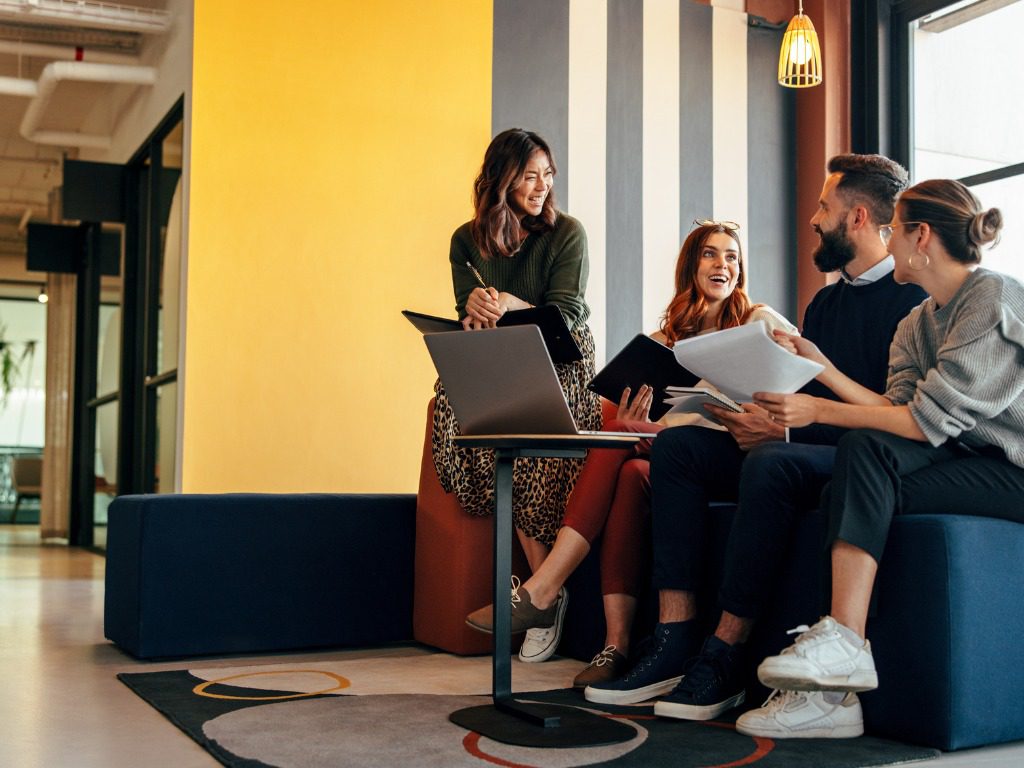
[879,475]
[774,483]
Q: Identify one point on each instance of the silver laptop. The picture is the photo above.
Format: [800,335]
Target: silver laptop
[500,381]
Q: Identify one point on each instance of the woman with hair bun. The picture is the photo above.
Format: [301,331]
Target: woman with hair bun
[944,439]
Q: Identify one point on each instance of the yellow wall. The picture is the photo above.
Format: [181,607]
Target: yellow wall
[334,145]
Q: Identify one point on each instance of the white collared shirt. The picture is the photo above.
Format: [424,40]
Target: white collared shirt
[870,275]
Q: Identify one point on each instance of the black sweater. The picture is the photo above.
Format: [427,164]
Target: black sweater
[853,326]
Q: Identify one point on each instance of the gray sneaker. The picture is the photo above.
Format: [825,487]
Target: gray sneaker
[658,670]
[524,614]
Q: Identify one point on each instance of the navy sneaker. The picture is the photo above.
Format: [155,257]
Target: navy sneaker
[712,683]
[656,672]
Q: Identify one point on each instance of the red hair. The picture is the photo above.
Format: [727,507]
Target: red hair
[686,312]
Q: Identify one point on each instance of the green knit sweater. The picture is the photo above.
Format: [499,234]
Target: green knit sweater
[550,268]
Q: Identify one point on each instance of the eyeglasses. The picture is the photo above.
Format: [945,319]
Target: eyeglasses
[885,231]
[712,223]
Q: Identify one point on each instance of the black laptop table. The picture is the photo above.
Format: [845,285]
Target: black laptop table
[507,720]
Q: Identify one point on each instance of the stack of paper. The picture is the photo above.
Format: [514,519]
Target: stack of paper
[743,360]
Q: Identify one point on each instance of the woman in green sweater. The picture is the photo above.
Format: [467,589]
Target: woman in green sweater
[519,251]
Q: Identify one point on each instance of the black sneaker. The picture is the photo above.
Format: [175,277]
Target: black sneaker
[656,672]
[712,683]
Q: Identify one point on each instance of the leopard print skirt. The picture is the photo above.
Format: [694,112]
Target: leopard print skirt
[540,487]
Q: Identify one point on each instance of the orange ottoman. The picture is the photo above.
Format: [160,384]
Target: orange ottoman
[454,564]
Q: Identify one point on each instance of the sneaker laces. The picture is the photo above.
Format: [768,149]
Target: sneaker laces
[703,668]
[516,583]
[540,634]
[806,634]
[650,648]
[607,656]
[776,702]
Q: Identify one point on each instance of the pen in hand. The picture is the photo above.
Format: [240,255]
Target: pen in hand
[477,275]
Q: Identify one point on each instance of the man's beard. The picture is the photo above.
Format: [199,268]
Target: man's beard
[834,251]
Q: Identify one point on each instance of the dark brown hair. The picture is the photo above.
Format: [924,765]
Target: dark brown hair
[873,181]
[954,213]
[687,309]
[496,229]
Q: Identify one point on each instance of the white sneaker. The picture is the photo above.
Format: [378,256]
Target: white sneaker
[540,642]
[804,715]
[821,659]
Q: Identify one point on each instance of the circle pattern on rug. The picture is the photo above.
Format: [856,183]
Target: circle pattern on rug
[395,729]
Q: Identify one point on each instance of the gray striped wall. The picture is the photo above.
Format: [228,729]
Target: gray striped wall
[577,71]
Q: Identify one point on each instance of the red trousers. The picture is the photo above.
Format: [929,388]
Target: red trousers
[612,495]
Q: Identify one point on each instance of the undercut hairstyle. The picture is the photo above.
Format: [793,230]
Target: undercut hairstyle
[954,214]
[686,311]
[496,228]
[873,181]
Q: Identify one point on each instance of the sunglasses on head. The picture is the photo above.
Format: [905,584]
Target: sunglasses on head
[730,225]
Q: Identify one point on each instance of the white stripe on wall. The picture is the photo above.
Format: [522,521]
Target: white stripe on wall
[729,114]
[588,99]
[660,156]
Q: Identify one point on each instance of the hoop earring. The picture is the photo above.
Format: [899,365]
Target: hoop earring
[910,261]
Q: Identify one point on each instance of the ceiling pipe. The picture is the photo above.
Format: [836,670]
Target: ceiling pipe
[79,71]
[67,52]
[16,86]
[87,13]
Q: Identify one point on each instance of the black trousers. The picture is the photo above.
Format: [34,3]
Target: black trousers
[774,484]
[878,475]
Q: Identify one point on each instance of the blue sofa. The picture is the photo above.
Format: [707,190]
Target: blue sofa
[193,575]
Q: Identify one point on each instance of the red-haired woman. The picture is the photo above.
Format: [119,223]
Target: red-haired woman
[611,494]
[528,253]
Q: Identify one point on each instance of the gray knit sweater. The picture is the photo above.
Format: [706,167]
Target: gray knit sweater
[960,368]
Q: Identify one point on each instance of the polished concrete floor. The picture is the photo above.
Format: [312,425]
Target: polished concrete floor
[61,705]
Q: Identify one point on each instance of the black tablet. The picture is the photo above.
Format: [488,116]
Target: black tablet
[642,361]
[562,347]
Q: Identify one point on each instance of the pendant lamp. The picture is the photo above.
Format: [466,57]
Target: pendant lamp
[800,57]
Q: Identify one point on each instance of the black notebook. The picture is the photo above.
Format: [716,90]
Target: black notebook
[643,361]
[562,347]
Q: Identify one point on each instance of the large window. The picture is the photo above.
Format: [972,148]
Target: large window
[957,108]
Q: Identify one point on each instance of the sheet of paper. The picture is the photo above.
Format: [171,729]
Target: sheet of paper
[743,360]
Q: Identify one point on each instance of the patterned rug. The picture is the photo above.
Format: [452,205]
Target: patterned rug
[394,712]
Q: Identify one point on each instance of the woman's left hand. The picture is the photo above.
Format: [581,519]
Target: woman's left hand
[639,408]
[789,410]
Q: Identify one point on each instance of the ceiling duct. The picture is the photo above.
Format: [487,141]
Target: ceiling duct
[81,71]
